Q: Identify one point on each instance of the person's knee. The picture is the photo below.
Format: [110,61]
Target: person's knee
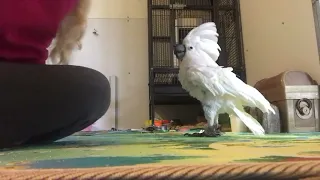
[105,92]
[97,92]
[102,91]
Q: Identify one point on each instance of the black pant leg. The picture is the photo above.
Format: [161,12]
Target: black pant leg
[42,103]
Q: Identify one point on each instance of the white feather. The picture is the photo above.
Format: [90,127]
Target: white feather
[217,88]
[250,122]
[205,37]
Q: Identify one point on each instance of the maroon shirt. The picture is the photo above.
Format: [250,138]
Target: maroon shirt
[27,28]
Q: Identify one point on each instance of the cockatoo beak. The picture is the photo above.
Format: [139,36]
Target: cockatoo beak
[180,51]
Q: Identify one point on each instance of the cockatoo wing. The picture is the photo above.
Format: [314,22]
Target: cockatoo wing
[223,82]
[208,78]
[204,37]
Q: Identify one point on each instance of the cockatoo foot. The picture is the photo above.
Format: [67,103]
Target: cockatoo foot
[213,131]
[209,131]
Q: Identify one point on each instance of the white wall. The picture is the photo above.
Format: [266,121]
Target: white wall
[120,50]
[279,35]
[117,9]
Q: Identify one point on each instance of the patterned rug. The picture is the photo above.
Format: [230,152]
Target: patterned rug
[108,149]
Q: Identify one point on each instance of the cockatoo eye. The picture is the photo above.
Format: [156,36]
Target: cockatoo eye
[190,47]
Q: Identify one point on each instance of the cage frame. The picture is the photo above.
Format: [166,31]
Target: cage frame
[173,94]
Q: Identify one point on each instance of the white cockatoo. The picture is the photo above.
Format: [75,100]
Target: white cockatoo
[216,87]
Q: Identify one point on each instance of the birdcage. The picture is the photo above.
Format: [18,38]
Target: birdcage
[169,22]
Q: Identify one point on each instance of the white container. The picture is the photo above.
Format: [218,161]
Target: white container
[237,125]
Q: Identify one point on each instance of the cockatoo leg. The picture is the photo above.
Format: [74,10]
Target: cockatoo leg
[213,130]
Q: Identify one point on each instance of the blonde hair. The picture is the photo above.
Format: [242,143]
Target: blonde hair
[70,33]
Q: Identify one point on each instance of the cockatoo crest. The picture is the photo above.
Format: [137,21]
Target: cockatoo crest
[204,38]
